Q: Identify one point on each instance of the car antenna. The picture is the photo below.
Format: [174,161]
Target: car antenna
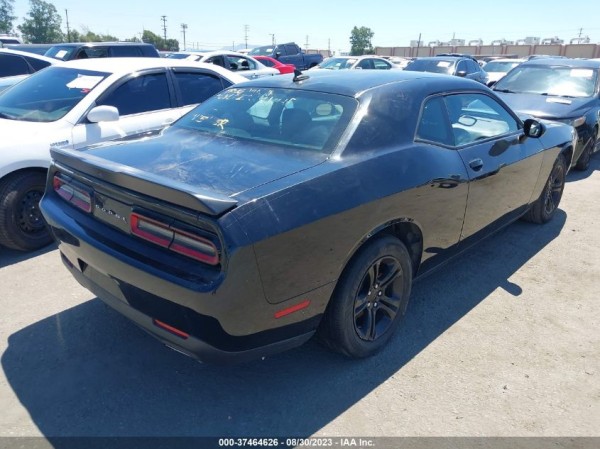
[299,76]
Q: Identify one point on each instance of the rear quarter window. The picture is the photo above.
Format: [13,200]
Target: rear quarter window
[11,65]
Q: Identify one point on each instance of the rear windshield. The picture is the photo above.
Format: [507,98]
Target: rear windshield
[48,95]
[431,65]
[295,118]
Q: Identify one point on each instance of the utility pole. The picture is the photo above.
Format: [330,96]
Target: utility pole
[183,28]
[329,47]
[246,29]
[68,30]
[272,39]
[306,45]
[164,21]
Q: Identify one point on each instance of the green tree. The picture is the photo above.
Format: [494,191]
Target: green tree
[150,38]
[43,24]
[360,39]
[6,16]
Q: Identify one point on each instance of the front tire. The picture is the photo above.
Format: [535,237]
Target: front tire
[546,205]
[369,300]
[22,226]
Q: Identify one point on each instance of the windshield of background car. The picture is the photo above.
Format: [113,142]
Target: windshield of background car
[48,95]
[60,52]
[261,51]
[337,63]
[550,80]
[431,65]
[289,117]
[496,66]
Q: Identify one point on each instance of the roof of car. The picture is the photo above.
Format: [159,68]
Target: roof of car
[28,54]
[100,44]
[127,65]
[564,62]
[353,82]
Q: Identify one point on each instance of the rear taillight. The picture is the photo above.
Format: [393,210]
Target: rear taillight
[72,193]
[177,240]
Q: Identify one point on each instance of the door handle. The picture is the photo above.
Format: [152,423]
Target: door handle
[476,164]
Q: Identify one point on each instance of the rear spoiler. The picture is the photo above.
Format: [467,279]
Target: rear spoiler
[131,178]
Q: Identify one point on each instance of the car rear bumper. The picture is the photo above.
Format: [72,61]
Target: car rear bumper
[187,345]
[222,322]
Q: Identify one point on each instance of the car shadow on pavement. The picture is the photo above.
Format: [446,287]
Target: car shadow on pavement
[88,371]
[10,256]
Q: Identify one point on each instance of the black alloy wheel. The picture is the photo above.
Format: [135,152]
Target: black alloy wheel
[545,207]
[369,300]
[378,299]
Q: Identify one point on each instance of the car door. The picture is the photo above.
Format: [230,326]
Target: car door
[502,165]
[144,103]
[248,67]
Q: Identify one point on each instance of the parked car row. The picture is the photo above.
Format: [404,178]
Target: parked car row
[235,218]
[293,206]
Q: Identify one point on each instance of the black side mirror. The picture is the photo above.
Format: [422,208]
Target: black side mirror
[277,54]
[461,73]
[533,128]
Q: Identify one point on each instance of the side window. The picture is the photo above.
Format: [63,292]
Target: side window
[124,51]
[477,117]
[365,64]
[472,67]
[380,64]
[197,87]
[291,50]
[12,65]
[433,125]
[92,52]
[144,93]
[36,63]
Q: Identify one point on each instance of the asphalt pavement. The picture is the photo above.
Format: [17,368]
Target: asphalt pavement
[503,341]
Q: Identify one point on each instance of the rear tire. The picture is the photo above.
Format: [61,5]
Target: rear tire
[546,205]
[22,226]
[584,160]
[369,300]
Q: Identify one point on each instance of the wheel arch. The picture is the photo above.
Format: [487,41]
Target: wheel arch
[404,229]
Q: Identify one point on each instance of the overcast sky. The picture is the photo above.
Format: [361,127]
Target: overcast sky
[328,24]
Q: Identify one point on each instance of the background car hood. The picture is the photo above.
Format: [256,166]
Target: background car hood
[225,165]
[546,106]
[18,132]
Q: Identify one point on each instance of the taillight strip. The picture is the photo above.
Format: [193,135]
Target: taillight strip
[176,240]
[71,193]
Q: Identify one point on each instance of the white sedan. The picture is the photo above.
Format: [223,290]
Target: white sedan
[78,103]
[366,62]
[236,62]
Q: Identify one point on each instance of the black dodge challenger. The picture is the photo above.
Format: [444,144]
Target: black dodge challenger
[299,204]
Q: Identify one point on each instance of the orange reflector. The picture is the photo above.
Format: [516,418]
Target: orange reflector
[171,329]
[292,309]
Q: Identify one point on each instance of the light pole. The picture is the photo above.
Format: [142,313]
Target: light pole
[183,29]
